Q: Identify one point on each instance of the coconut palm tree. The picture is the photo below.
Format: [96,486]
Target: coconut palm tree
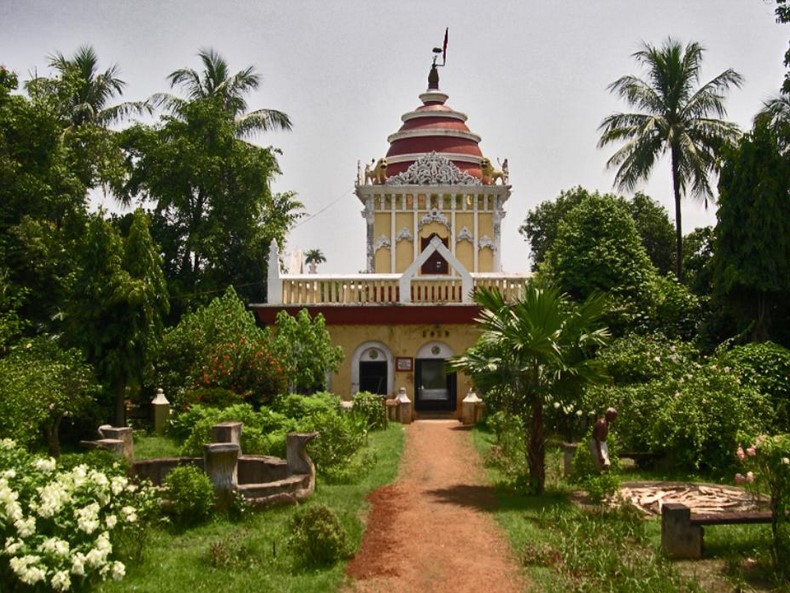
[532,350]
[313,257]
[215,82]
[83,92]
[675,116]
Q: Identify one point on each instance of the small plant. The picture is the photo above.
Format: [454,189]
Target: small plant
[317,536]
[370,407]
[342,435]
[190,496]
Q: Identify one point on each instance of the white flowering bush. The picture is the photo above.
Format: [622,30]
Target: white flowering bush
[61,530]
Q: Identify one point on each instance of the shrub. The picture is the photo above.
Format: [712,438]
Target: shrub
[341,436]
[189,496]
[640,358]
[296,406]
[766,367]
[698,423]
[317,536]
[63,529]
[370,406]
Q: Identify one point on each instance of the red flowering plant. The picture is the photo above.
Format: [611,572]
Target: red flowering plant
[767,464]
[248,368]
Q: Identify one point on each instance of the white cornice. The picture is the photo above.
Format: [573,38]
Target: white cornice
[428,132]
[448,114]
[415,156]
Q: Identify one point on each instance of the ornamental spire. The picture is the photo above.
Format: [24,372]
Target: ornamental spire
[433,75]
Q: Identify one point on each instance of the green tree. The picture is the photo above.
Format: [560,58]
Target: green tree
[40,385]
[650,218]
[752,235]
[305,347]
[214,214]
[676,117]
[531,351]
[115,313]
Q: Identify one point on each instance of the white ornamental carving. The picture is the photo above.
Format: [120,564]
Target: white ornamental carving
[465,235]
[486,242]
[382,241]
[404,235]
[433,169]
[434,216]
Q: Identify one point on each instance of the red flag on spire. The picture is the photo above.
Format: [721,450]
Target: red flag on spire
[444,46]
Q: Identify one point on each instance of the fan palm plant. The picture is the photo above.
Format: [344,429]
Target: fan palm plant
[528,352]
[675,116]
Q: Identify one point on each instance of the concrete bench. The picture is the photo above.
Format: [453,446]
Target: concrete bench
[682,531]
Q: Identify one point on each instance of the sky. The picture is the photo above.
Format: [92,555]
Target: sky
[531,75]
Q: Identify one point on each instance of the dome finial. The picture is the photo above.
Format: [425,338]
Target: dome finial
[433,75]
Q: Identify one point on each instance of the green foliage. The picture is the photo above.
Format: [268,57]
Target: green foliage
[304,346]
[341,436]
[752,236]
[370,406]
[766,368]
[40,384]
[531,352]
[298,406]
[638,358]
[597,249]
[767,461]
[263,431]
[674,115]
[189,494]
[673,310]
[599,485]
[188,350]
[317,536]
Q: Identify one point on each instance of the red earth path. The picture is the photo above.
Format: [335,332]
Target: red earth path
[429,531]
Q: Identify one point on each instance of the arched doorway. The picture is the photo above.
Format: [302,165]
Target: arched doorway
[371,369]
[434,386]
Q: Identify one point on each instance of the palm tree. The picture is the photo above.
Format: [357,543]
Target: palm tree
[217,83]
[675,116]
[530,351]
[776,116]
[313,257]
[85,93]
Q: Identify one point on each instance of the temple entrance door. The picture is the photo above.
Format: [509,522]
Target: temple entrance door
[434,387]
[373,376]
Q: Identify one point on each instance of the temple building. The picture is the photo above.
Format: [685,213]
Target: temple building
[433,207]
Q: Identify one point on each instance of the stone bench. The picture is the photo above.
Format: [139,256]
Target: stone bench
[682,531]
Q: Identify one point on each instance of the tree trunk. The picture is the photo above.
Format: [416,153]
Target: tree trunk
[53,441]
[678,225]
[536,448]
[762,323]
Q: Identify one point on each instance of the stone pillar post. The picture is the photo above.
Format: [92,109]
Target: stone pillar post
[161,409]
[469,408]
[123,434]
[227,432]
[404,406]
[221,463]
[679,538]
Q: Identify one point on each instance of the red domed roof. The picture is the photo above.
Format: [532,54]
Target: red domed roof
[434,127]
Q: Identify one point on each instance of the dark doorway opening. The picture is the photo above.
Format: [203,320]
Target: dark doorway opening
[373,376]
[435,264]
[434,387]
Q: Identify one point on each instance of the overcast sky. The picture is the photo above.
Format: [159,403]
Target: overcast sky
[530,74]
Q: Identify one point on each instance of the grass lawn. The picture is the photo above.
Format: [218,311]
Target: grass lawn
[252,555]
[567,549]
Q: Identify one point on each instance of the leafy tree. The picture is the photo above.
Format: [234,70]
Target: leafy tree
[40,385]
[650,218]
[697,258]
[115,313]
[531,351]
[214,214]
[676,117]
[305,347]
[752,236]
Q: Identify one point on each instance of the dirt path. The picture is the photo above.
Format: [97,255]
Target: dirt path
[428,531]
